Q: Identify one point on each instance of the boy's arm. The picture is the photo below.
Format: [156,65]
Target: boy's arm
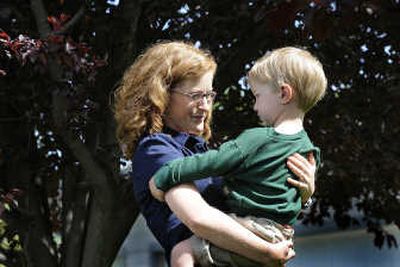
[225,160]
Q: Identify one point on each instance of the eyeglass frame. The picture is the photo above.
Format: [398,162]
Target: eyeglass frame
[192,95]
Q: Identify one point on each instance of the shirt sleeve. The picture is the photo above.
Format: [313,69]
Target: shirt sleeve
[152,153]
[221,162]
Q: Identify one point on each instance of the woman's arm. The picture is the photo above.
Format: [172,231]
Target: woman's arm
[304,168]
[220,229]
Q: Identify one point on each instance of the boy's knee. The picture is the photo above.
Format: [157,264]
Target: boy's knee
[181,255]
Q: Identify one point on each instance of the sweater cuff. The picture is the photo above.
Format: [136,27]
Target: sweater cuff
[161,179]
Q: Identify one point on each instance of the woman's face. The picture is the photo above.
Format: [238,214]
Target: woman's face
[190,103]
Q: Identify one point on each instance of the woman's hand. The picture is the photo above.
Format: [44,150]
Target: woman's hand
[282,252]
[157,193]
[305,172]
[222,230]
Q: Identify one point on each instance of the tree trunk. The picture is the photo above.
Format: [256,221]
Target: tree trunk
[101,214]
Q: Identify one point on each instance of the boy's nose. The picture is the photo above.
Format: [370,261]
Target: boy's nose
[255,106]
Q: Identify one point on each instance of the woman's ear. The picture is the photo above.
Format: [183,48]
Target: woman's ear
[287,93]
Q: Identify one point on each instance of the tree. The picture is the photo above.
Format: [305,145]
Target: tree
[58,142]
[63,193]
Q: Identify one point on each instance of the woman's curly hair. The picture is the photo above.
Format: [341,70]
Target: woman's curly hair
[143,94]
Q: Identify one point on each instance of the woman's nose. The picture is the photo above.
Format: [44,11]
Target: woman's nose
[204,103]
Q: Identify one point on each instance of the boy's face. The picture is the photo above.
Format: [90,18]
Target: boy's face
[267,101]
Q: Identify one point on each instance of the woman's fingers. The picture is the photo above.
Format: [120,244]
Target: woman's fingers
[311,159]
[297,168]
[302,167]
[299,159]
[298,184]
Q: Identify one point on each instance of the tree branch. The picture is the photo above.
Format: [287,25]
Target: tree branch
[93,172]
[40,14]
[11,119]
[75,19]
[75,214]
[107,206]
[38,241]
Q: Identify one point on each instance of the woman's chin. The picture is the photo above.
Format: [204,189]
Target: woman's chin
[198,130]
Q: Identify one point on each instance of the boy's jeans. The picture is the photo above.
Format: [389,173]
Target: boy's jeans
[207,254]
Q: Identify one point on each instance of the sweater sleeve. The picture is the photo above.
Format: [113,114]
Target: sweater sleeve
[221,162]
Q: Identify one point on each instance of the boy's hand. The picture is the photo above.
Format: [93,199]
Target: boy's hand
[157,193]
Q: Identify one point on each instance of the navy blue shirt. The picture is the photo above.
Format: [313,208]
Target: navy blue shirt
[152,152]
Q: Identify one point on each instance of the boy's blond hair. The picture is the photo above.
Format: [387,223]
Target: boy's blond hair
[296,67]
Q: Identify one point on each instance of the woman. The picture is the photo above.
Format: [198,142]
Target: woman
[163,112]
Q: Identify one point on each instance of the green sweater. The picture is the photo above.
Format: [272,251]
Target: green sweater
[254,170]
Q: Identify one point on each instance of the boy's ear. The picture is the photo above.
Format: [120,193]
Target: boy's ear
[287,93]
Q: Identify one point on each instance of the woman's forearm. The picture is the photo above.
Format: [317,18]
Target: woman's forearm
[217,227]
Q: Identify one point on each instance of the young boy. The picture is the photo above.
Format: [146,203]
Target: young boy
[286,83]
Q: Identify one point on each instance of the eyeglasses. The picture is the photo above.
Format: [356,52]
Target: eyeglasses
[197,96]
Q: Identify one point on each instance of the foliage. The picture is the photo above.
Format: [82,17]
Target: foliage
[11,253]
[45,120]
[57,139]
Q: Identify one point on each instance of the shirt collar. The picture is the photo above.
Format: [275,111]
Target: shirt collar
[182,138]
